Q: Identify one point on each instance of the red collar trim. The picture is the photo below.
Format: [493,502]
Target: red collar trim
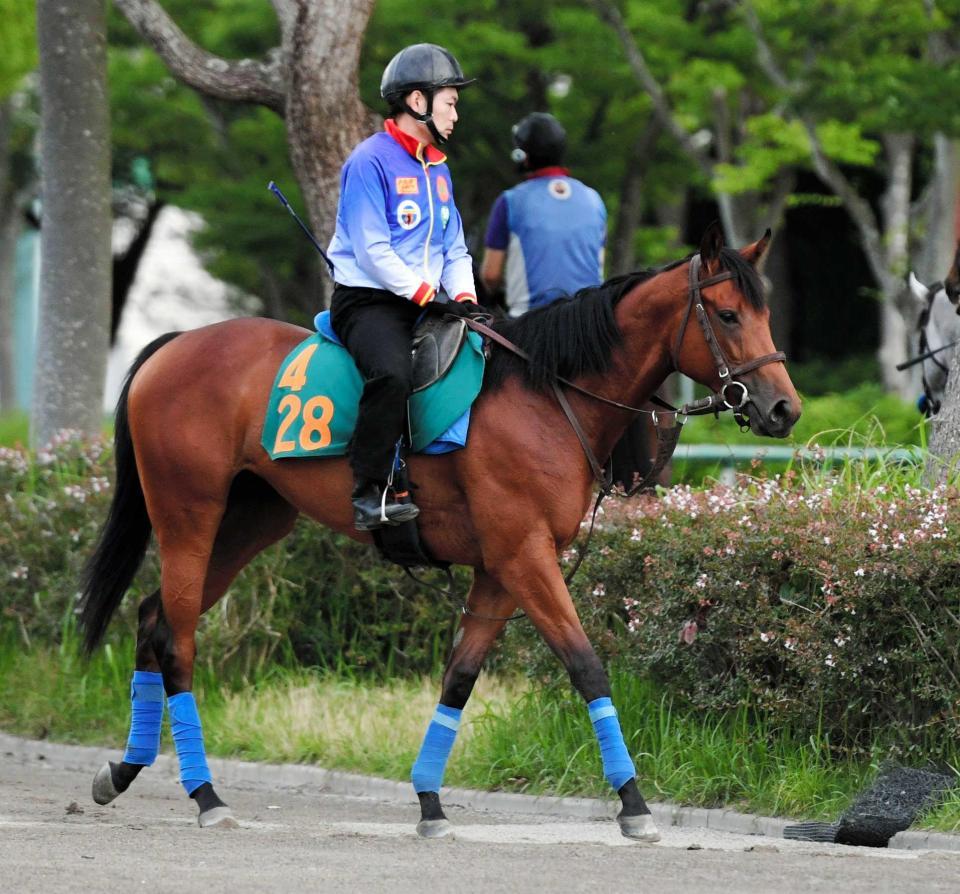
[413,145]
[554,171]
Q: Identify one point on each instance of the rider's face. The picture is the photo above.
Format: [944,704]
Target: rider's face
[444,108]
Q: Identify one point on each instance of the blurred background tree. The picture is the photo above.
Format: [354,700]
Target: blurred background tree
[837,124]
[18,57]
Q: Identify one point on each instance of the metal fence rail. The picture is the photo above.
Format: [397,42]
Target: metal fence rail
[728,455]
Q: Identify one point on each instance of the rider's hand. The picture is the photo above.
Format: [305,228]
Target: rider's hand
[454,308]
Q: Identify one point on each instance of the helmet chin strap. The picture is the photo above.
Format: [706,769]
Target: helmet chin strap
[427,118]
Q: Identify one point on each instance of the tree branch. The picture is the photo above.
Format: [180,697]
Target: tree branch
[661,105]
[858,209]
[246,80]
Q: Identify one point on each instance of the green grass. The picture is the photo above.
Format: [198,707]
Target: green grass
[515,737]
[14,429]
[862,417]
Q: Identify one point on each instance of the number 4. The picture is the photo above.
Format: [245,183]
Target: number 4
[295,375]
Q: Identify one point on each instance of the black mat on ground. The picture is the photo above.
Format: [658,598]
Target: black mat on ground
[896,798]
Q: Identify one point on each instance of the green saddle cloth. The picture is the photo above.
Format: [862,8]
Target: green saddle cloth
[313,405]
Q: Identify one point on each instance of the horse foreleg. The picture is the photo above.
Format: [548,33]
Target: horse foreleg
[146,710]
[489,605]
[529,571]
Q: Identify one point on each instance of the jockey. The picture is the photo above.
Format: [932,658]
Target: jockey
[549,231]
[398,239]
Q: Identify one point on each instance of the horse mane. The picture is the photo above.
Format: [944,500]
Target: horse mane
[576,334]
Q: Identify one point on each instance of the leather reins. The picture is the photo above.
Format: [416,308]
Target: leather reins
[667,436]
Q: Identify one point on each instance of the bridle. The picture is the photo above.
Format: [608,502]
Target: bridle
[667,436]
[930,406]
[722,399]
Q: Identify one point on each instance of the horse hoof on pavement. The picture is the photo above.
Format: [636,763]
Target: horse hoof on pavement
[218,818]
[103,788]
[639,828]
[438,828]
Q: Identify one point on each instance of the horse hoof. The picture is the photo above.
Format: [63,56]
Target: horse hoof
[438,828]
[217,818]
[103,788]
[639,828]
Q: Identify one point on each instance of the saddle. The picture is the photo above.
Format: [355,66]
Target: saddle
[436,343]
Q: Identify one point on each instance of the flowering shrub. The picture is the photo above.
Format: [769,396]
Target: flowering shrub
[833,606]
[824,605]
[318,597]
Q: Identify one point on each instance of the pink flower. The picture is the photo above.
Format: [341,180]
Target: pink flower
[688,632]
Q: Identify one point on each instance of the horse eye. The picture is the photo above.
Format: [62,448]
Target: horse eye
[728,316]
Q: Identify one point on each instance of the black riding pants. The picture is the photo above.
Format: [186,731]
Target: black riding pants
[377,329]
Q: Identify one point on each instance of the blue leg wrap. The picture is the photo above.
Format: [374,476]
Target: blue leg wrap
[427,775]
[146,716]
[617,766]
[188,739]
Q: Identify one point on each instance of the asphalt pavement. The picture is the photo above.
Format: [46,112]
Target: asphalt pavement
[53,838]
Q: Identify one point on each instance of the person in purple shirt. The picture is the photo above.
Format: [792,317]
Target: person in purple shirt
[546,236]
[398,241]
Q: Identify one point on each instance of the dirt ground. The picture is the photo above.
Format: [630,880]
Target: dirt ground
[53,838]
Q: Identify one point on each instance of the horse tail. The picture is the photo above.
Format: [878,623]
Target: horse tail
[126,533]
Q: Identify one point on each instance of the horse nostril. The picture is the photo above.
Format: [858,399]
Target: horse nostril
[780,412]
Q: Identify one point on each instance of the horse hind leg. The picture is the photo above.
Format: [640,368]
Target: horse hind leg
[489,607]
[256,517]
[146,696]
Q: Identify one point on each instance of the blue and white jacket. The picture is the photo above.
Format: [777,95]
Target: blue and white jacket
[397,226]
[553,229]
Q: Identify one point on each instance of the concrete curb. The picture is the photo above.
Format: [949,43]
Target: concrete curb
[237,773]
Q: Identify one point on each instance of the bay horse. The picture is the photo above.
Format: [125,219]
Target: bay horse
[191,468]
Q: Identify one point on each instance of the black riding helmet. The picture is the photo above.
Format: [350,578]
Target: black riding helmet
[425,67]
[539,141]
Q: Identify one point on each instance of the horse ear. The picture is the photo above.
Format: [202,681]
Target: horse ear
[917,288]
[754,252]
[711,243]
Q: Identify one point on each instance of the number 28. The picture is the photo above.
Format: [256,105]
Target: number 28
[315,432]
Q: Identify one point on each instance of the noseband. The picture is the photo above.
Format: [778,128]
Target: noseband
[667,437]
[724,398]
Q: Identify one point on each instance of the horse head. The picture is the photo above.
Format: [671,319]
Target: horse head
[937,327]
[734,318]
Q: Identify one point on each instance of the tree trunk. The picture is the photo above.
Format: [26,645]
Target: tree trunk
[74,321]
[945,429]
[897,316]
[940,243]
[325,117]
[311,79]
[9,229]
[622,257]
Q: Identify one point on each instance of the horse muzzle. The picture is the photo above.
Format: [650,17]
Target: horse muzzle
[773,418]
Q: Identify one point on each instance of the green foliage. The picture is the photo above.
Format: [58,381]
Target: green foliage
[18,43]
[318,598]
[212,157]
[513,738]
[829,604]
[14,429]
[864,416]
[734,758]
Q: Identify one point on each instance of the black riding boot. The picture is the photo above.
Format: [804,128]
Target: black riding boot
[371,512]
